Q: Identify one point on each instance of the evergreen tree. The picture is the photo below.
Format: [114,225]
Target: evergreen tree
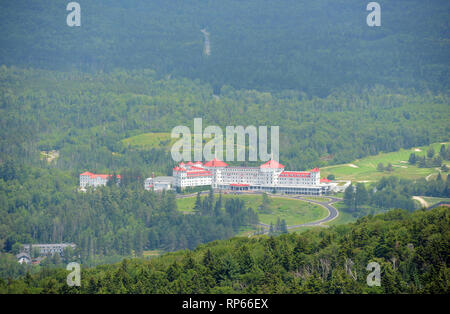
[198,203]
[380,167]
[389,167]
[283,227]
[361,195]
[349,197]
[412,159]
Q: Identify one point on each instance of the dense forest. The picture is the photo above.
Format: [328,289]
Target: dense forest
[411,249]
[392,192]
[44,206]
[313,47]
[71,97]
[85,116]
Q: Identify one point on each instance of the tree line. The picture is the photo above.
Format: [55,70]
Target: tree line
[410,249]
[45,206]
[393,192]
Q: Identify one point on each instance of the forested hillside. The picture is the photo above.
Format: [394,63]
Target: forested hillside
[44,206]
[411,249]
[85,117]
[309,46]
[75,99]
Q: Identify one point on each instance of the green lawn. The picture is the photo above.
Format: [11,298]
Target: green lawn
[164,141]
[293,211]
[152,253]
[365,169]
[343,217]
[317,198]
[150,140]
[186,204]
[434,200]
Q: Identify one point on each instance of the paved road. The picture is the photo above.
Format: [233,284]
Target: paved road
[333,213]
[422,202]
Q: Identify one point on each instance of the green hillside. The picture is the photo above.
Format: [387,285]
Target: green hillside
[366,104]
[294,212]
[410,248]
[312,47]
[85,117]
[149,141]
[365,169]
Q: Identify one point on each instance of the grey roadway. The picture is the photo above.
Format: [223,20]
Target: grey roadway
[333,213]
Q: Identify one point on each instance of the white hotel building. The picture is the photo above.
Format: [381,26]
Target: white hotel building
[94,180]
[267,177]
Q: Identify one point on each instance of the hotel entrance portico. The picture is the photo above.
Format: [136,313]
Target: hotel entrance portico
[239,187]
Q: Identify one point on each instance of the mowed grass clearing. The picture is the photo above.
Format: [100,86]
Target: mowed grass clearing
[149,141]
[293,211]
[365,169]
[317,198]
[434,200]
[164,141]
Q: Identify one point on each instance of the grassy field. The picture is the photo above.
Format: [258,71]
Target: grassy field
[293,211]
[152,253]
[164,141]
[434,200]
[317,198]
[186,205]
[345,217]
[365,169]
[149,141]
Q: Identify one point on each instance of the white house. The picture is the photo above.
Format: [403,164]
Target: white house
[23,258]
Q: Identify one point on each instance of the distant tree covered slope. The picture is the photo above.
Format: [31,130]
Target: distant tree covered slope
[311,46]
[86,116]
[410,248]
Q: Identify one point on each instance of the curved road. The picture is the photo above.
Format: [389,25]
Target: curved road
[333,213]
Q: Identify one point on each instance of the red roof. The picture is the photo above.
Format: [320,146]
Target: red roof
[103,176]
[196,168]
[294,174]
[215,163]
[239,184]
[198,163]
[315,170]
[272,164]
[324,180]
[204,173]
[190,163]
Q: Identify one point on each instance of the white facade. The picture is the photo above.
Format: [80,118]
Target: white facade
[159,183]
[191,175]
[45,249]
[267,177]
[94,180]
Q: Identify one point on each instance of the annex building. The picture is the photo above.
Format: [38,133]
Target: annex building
[93,180]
